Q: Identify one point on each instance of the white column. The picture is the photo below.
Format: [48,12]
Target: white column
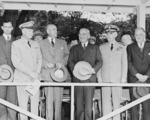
[141,17]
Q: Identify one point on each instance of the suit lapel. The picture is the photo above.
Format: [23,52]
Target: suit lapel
[146,49]
[137,50]
[49,47]
[87,50]
[4,44]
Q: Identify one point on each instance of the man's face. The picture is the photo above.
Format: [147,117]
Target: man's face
[27,32]
[111,35]
[139,35]
[38,38]
[126,40]
[52,31]
[84,35]
[7,28]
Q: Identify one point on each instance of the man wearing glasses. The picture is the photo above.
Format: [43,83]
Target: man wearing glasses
[114,70]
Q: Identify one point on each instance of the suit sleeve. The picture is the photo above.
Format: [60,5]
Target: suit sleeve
[66,54]
[44,62]
[39,61]
[3,59]
[16,60]
[71,60]
[98,61]
[124,64]
[131,67]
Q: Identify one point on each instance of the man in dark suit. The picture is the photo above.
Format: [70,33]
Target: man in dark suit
[84,51]
[7,92]
[139,69]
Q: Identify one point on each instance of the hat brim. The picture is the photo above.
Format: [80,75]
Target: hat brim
[78,66]
[55,78]
[6,68]
[140,91]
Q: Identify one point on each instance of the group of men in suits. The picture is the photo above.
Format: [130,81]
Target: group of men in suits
[110,63]
[31,61]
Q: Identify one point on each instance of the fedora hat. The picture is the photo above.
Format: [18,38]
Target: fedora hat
[59,75]
[140,91]
[82,70]
[6,73]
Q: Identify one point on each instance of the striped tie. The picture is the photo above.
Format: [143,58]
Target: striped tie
[52,42]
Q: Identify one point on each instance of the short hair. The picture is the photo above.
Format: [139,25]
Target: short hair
[50,25]
[6,21]
[139,28]
[88,31]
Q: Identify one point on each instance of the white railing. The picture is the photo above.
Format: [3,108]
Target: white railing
[72,85]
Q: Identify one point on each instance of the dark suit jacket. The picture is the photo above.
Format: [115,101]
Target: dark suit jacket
[5,51]
[139,62]
[91,55]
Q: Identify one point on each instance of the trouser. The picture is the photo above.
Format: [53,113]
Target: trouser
[9,94]
[53,102]
[111,98]
[23,98]
[135,109]
[84,102]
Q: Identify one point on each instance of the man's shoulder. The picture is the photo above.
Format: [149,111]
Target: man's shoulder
[17,42]
[104,44]
[121,44]
[60,41]
[1,38]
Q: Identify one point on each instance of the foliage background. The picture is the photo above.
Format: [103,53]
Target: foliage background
[69,24]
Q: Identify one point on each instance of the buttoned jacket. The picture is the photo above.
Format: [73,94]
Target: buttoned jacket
[25,59]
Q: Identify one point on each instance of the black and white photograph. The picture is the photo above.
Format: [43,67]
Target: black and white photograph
[74,60]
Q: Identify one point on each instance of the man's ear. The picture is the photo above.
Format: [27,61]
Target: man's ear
[89,36]
[2,28]
[116,34]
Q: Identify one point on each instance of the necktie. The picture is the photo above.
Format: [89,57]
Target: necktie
[111,48]
[29,44]
[141,48]
[52,42]
[7,38]
[84,46]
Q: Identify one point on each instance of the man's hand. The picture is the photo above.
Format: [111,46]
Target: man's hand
[49,65]
[92,71]
[145,77]
[34,75]
[123,80]
[58,65]
[141,77]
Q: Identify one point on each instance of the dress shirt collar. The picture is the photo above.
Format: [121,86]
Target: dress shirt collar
[141,45]
[86,43]
[7,37]
[50,39]
[113,42]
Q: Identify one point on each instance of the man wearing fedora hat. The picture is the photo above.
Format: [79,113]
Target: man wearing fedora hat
[84,62]
[139,71]
[27,60]
[8,93]
[55,55]
[114,70]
